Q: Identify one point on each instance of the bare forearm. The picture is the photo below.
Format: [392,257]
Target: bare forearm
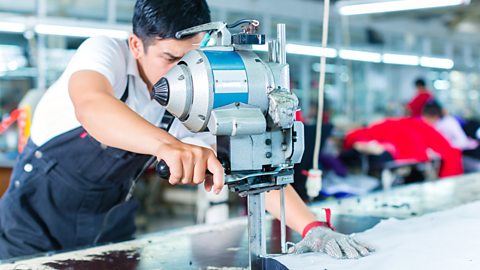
[114,124]
[297,214]
[109,120]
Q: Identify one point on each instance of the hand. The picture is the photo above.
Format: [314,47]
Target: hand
[188,165]
[337,245]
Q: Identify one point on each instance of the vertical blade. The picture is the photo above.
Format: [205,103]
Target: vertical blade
[256,230]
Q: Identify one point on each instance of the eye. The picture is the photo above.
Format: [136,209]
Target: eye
[169,59]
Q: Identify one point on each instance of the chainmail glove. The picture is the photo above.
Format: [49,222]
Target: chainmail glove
[337,245]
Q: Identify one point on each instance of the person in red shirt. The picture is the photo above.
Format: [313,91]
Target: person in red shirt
[415,106]
[408,138]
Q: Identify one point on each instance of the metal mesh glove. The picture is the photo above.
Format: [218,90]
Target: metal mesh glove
[337,245]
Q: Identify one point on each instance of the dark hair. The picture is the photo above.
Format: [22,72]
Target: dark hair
[420,82]
[433,109]
[163,18]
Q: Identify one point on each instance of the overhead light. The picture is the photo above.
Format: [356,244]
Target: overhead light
[75,31]
[400,59]
[311,50]
[301,49]
[360,56]
[365,56]
[433,62]
[13,27]
[357,7]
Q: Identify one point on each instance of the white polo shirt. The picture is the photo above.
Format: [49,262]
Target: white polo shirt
[112,58]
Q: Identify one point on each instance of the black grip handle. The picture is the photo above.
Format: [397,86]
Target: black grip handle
[162,169]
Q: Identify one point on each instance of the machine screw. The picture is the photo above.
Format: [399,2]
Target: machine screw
[181,77]
[268,142]
[237,104]
[200,61]
[268,155]
[284,147]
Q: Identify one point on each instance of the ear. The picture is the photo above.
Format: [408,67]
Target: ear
[136,46]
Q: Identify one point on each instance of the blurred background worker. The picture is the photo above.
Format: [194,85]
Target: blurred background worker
[422,95]
[451,128]
[407,139]
[434,114]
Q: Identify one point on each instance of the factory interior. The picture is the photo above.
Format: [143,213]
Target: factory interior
[245,134]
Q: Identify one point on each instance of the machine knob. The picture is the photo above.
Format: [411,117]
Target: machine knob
[163,170]
[161,91]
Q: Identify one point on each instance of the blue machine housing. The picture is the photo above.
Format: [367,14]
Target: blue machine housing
[228,61]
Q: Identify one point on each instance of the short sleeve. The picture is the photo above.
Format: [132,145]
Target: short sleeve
[104,55]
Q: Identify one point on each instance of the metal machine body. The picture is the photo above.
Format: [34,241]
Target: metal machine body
[247,104]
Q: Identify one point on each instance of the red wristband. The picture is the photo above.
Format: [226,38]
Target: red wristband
[314,224]
[311,226]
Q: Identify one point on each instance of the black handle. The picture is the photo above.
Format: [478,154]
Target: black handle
[162,169]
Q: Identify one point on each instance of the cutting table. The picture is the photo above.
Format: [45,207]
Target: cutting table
[225,246]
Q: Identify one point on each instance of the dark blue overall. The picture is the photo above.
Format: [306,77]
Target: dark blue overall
[60,194]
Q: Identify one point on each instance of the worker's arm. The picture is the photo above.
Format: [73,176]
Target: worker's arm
[113,123]
[316,238]
[297,214]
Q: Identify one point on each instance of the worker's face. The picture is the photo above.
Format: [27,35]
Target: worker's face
[156,59]
[432,120]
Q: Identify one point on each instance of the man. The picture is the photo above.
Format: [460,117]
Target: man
[406,138]
[415,106]
[450,128]
[447,125]
[94,129]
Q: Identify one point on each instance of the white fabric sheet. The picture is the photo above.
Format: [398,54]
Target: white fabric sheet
[444,240]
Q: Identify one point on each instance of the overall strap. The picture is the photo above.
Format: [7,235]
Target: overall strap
[165,124]
[125,93]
